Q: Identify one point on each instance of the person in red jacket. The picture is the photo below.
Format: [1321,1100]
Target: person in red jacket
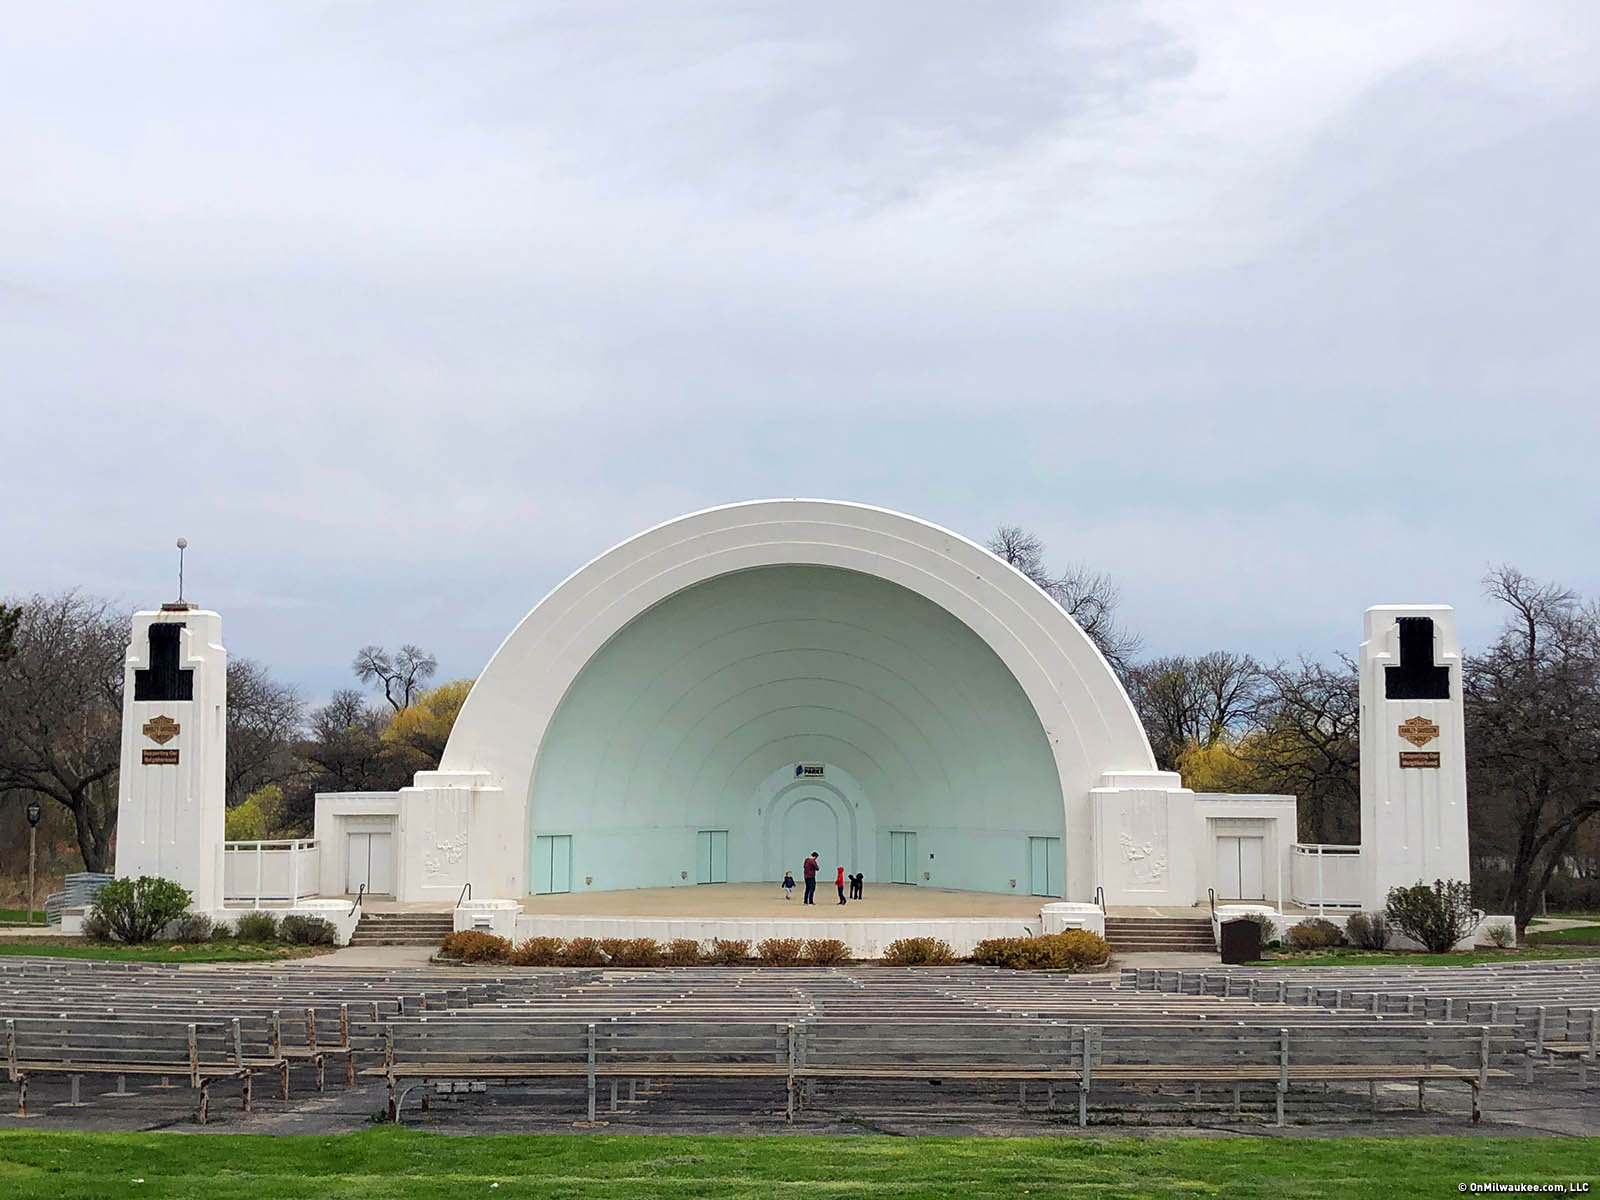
[810,872]
[839,882]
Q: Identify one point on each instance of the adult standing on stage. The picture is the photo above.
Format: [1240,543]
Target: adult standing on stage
[810,870]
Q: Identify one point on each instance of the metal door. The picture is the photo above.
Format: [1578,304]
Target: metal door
[552,864]
[1241,868]
[1043,876]
[711,856]
[357,849]
[1252,873]
[902,856]
[369,862]
[380,864]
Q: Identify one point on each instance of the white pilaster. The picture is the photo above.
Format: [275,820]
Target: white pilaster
[171,786]
[1413,777]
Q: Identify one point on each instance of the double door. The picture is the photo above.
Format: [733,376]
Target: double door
[902,856]
[1044,871]
[552,864]
[711,856]
[369,863]
[1241,871]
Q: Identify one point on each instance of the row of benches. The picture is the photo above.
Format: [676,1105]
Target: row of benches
[1555,1007]
[473,1047]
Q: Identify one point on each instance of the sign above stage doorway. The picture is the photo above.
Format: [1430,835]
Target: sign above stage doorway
[809,770]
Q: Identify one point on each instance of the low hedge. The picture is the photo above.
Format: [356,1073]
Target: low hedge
[475,946]
[1071,950]
[919,952]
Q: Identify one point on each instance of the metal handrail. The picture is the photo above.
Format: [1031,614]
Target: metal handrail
[1100,897]
[466,893]
[360,892]
[1212,893]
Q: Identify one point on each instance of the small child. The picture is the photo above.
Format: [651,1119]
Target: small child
[788,884]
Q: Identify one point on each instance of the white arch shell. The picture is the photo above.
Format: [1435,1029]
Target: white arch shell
[1085,713]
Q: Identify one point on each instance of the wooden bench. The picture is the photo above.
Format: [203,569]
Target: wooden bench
[940,1050]
[200,1052]
[1285,1057]
[462,1047]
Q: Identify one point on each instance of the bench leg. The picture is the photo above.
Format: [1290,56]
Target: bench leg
[1372,1095]
[1422,1095]
[1050,1097]
[613,1094]
[1280,1108]
[205,1100]
[249,1090]
[1236,1099]
[1476,1110]
[283,1081]
[589,1088]
[322,1074]
[22,1096]
[633,1090]
[349,1069]
[788,1099]
[394,1102]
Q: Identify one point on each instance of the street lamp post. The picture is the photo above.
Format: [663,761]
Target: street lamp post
[34,812]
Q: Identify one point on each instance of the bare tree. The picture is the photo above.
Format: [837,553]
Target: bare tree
[1195,701]
[1088,597]
[402,674]
[1533,733]
[61,713]
[264,719]
[1306,743]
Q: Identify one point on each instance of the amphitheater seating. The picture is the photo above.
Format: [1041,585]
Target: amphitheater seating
[1115,1041]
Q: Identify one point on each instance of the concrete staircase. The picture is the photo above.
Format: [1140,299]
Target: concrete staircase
[402,928]
[1152,935]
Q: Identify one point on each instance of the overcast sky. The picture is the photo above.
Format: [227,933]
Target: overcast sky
[402,311]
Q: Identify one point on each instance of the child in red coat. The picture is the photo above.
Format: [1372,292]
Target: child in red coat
[839,882]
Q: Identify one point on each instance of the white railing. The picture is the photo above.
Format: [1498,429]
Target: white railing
[1323,876]
[281,870]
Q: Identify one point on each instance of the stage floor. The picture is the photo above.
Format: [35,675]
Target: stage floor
[764,901]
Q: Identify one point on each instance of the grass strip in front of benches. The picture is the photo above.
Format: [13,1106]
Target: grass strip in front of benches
[401,1164]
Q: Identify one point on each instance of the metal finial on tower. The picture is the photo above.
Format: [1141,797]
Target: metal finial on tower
[183,544]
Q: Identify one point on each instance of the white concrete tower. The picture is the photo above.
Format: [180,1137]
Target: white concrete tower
[174,742]
[1413,749]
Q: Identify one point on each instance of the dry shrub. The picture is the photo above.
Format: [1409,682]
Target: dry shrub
[826,952]
[582,952]
[1314,934]
[681,952]
[473,945]
[1504,937]
[634,952]
[730,952]
[780,952]
[1070,950]
[919,952]
[537,952]
[1370,931]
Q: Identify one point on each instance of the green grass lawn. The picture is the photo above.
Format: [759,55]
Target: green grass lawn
[19,916]
[1347,956]
[200,952]
[1578,935]
[399,1164]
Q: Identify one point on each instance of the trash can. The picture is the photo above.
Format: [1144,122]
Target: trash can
[1241,941]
